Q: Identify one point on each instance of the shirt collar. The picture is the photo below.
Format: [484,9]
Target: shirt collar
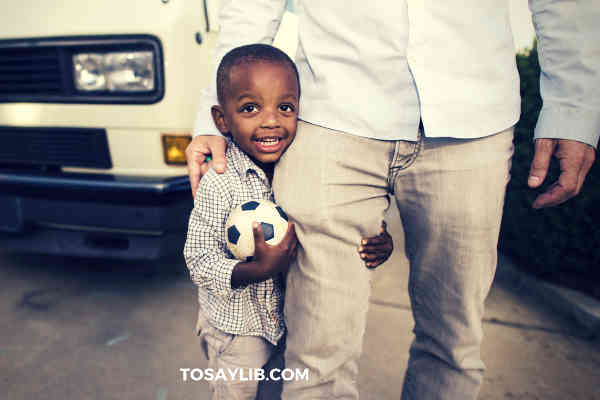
[244,164]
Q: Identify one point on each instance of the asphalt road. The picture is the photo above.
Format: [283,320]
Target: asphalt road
[84,329]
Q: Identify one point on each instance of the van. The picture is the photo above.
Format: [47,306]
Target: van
[97,104]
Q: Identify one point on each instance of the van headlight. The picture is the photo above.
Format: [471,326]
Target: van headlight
[131,71]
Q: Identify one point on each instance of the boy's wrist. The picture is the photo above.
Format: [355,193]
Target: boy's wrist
[246,273]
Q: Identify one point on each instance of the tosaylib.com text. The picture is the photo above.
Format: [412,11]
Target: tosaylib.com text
[243,374]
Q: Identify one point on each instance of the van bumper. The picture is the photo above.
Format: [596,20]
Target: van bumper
[89,215]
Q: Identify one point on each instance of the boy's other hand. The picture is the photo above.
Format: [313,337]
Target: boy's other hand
[274,259]
[196,154]
[377,249]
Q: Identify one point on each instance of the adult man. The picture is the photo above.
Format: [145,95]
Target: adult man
[370,72]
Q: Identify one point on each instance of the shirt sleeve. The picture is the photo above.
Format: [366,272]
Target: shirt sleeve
[240,23]
[569,51]
[205,250]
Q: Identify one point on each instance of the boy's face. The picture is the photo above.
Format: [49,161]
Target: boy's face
[261,109]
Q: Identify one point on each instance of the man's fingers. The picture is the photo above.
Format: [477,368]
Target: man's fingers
[575,159]
[559,192]
[588,162]
[194,174]
[563,189]
[541,161]
[196,154]
[194,160]
[217,151]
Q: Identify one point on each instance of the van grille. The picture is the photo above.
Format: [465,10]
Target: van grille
[73,147]
[30,71]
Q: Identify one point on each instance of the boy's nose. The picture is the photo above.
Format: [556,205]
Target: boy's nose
[271,119]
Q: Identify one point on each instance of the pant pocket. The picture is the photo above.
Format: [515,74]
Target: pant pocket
[214,342]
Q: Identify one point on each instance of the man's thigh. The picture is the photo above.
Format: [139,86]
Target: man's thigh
[451,200]
[334,187]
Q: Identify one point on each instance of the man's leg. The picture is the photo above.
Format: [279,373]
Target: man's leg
[450,202]
[334,187]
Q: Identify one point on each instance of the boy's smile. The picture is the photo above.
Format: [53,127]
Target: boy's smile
[261,109]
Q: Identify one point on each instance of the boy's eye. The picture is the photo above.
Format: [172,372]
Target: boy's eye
[286,108]
[249,108]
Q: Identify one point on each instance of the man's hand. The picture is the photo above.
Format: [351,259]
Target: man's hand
[575,158]
[196,153]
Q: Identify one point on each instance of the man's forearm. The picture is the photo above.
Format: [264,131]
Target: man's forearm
[569,53]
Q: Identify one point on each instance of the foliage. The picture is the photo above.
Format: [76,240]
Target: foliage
[559,244]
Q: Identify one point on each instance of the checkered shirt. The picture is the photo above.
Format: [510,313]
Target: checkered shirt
[255,309]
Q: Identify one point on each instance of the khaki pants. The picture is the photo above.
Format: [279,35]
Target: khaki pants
[229,352]
[450,193]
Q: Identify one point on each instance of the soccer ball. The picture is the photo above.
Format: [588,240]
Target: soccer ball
[238,229]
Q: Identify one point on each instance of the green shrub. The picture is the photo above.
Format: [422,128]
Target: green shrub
[559,244]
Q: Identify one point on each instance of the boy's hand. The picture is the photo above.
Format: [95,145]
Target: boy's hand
[376,250]
[274,259]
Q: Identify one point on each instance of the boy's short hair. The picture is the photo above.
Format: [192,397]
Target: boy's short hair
[246,55]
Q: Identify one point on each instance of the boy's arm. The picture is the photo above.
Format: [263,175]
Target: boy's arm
[205,250]
[206,253]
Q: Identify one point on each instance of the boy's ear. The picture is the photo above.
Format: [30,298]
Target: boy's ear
[218,116]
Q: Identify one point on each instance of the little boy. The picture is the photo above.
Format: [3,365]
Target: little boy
[240,321]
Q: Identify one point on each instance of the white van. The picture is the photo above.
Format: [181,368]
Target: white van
[97,103]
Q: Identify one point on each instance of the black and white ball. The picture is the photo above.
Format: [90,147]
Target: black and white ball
[238,229]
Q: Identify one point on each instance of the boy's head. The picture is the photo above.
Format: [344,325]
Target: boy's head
[259,92]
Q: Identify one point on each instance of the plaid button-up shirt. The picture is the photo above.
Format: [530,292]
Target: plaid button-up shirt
[255,309]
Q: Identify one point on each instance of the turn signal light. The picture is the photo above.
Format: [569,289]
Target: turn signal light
[174,148]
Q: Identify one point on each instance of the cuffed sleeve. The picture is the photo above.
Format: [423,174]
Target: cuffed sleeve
[569,53]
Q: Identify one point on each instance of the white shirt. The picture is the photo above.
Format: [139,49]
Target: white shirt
[374,68]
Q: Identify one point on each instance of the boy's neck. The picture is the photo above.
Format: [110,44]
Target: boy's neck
[267,168]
